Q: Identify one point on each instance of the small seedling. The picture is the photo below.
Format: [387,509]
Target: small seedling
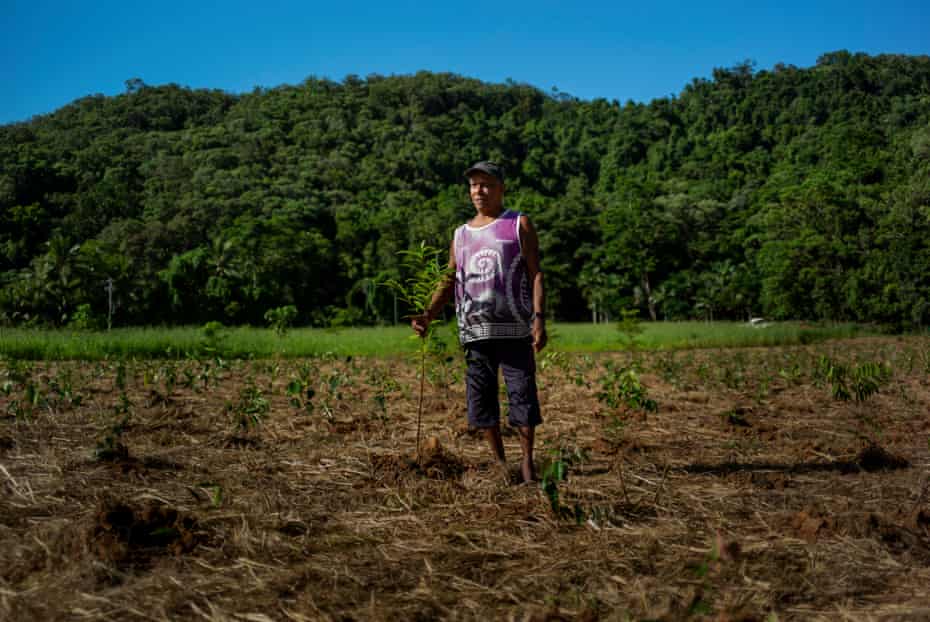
[383,384]
[859,382]
[214,491]
[251,407]
[110,448]
[555,470]
[621,389]
[301,395]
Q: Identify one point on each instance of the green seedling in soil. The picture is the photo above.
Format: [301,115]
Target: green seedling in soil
[300,389]
[792,374]
[554,471]
[124,406]
[214,492]
[732,374]
[25,407]
[18,371]
[273,370]
[110,447]
[703,372]
[573,368]
[168,375]
[210,373]
[300,395]
[383,384]
[582,365]
[427,273]
[621,389]
[120,379]
[157,394]
[554,358]
[763,389]
[670,369]
[190,379]
[331,395]
[251,408]
[61,391]
[859,383]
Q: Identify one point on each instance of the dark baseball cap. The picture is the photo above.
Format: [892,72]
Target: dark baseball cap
[486,166]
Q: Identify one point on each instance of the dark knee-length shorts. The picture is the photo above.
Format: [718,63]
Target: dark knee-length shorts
[515,358]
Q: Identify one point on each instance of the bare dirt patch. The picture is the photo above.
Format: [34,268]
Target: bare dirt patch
[177,490]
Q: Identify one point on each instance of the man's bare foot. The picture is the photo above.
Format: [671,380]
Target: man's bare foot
[528,471]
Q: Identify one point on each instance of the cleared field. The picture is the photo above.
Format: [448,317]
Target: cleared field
[226,490]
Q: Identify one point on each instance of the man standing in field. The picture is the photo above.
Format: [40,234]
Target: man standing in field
[500,307]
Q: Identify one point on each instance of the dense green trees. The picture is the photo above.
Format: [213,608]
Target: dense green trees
[792,193]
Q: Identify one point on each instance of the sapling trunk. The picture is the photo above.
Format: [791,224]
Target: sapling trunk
[420,401]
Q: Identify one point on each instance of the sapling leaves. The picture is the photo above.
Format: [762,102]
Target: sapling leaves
[426,276]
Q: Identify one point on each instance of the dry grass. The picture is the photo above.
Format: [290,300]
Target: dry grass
[745,498]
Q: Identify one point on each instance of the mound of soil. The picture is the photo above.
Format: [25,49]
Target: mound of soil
[875,458]
[242,441]
[112,452]
[434,463]
[124,535]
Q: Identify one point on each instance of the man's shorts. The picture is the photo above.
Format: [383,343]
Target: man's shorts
[518,363]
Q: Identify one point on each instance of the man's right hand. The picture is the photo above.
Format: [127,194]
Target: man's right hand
[419,324]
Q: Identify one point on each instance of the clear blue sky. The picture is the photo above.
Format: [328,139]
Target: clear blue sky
[55,52]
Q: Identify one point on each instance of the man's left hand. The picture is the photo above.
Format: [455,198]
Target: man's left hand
[539,334]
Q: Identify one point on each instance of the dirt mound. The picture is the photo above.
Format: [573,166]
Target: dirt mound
[919,521]
[434,463]
[874,458]
[242,441]
[125,536]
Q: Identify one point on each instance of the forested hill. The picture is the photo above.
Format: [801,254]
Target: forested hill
[790,193]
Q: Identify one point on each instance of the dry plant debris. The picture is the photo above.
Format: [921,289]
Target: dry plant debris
[751,494]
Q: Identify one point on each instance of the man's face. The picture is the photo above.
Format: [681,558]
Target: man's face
[487,192]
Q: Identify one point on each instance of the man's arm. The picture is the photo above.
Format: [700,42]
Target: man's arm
[530,244]
[442,295]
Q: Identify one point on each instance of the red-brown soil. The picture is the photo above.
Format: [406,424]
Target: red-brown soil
[199,490]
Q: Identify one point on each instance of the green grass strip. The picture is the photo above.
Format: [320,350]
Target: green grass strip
[182,342]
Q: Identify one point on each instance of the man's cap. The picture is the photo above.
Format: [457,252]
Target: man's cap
[486,166]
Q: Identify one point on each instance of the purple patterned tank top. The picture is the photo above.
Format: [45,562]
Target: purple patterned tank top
[492,289]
